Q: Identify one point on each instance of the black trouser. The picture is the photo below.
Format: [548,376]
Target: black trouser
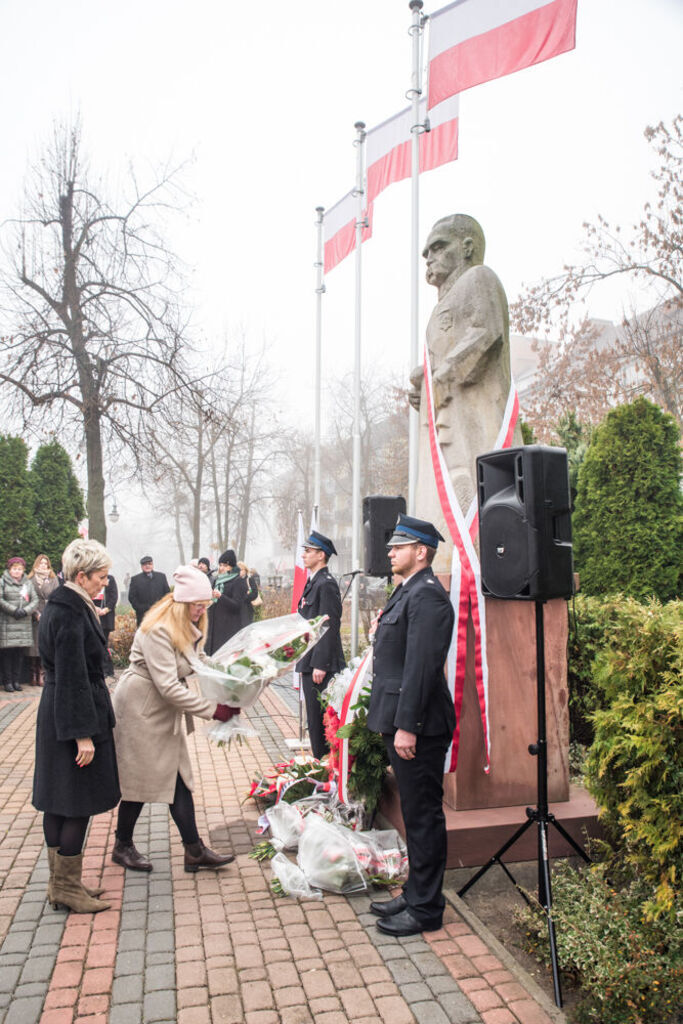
[67,834]
[420,786]
[314,713]
[108,663]
[12,664]
[182,812]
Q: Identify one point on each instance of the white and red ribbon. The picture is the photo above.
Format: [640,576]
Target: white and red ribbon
[466,591]
[347,715]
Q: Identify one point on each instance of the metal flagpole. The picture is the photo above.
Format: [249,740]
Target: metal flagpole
[355,509]
[416,130]
[319,292]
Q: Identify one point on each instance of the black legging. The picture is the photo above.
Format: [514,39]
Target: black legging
[68,834]
[182,812]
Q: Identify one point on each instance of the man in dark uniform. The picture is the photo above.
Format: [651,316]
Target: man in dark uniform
[320,597]
[146,587]
[410,705]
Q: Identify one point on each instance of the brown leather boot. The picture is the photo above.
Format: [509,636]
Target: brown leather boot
[127,856]
[51,854]
[199,856]
[67,888]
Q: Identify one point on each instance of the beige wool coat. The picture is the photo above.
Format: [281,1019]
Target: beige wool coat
[154,714]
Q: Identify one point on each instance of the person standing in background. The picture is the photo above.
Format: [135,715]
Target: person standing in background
[320,597]
[252,595]
[105,602]
[44,582]
[230,594]
[18,601]
[146,587]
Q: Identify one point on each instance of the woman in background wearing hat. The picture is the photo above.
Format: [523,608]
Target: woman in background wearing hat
[151,701]
[230,594]
[18,601]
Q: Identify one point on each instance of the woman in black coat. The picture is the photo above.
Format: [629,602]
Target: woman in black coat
[231,594]
[105,602]
[75,771]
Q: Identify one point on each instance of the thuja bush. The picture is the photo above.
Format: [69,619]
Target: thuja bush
[121,639]
[628,523]
[591,622]
[629,969]
[634,767]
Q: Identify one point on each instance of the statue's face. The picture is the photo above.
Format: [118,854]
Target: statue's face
[444,253]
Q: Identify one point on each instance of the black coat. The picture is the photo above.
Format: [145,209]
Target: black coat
[74,704]
[145,590]
[111,596]
[321,597]
[409,689]
[227,614]
[247,607]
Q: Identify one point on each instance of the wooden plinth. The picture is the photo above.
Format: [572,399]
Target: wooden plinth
[475,835]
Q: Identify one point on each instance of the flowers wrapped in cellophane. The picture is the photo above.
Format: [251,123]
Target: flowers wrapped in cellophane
[239,671]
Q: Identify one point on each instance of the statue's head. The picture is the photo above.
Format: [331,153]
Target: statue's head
[455,244]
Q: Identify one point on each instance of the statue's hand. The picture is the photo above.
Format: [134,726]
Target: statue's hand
[416,378]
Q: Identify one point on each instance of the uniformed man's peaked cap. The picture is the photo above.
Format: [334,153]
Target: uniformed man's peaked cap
[318,540]
[409,530]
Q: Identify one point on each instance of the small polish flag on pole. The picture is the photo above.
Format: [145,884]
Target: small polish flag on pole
[300,573]
[475,41]
[339,230]
[388,145]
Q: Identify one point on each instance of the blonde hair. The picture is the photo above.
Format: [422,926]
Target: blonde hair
[50,570]
[86,556]
[174,618]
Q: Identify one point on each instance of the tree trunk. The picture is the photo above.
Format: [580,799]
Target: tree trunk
[246,494]
[197,490]
[97,523]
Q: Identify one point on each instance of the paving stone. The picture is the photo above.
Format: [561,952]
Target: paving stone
[429,1013]
[9,976]
[21,1011]
[132,962]
[129,1013]
[37,969]
[458,1008]
[28,990]
[159,1006]
[127,989]
[129,940]
[160,978]
[428,965]
[416,992]
[404,971]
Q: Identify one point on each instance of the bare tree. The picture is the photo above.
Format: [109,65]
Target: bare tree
[583,370]
[94,335]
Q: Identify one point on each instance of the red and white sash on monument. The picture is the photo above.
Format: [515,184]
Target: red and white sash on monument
[357,685]
[465,573]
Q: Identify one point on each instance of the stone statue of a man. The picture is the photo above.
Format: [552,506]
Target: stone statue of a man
[468,338]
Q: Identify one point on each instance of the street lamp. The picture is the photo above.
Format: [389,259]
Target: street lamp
[114,514]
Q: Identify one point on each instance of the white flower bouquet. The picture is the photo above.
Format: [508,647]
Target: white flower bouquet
[239,671]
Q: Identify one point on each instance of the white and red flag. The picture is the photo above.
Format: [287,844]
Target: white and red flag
[300,573]
[339,230]
[388,146]
[475,41]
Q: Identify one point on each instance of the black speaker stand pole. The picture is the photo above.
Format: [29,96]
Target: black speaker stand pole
[539,814]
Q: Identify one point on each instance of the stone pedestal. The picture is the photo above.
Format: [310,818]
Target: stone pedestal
[511,649]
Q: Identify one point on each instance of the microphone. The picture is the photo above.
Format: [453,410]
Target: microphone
[356,572]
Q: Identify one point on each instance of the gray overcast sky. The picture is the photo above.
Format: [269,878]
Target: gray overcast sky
[266,94]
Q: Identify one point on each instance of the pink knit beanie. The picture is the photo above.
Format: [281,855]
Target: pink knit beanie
[191,584]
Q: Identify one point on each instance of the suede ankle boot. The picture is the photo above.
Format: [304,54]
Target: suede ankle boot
[199,856]
[67,888]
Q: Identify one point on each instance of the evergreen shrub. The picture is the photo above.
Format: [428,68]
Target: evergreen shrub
[628,522]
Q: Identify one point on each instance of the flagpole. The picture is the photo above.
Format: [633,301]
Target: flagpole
[319,292]
[415,132]
[355,499]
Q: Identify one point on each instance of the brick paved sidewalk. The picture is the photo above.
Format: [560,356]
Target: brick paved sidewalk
[218,947]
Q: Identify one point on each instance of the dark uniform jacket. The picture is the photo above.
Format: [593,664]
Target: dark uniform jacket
[145,590]
[409,689]
[111,596]
[74,704]
[321,597]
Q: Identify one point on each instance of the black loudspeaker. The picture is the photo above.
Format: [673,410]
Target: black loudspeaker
[525,529]
[379,519]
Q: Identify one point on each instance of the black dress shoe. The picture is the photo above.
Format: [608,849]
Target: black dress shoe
[404,923]
[18,687]
[389,907]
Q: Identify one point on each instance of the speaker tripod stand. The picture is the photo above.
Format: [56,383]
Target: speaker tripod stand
[539,815]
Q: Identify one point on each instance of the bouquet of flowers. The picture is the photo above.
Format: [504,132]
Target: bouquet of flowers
[239,671]
[288,780]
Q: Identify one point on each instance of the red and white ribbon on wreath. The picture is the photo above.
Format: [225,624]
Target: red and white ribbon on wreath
[347,715]
[465,574]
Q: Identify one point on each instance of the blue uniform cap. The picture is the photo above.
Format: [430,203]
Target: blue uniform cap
[409,530]
[318,540]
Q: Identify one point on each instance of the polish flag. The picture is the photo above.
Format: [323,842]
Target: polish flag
[339,230]
[475,41]
[388,146]
[300,573]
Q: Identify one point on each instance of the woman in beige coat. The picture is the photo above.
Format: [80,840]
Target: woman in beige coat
[154,710]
